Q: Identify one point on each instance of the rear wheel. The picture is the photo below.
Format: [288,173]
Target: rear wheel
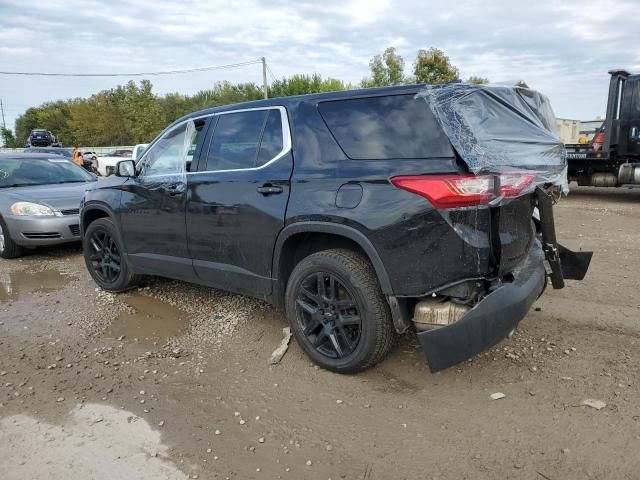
[103,256]
[337,311]
[8,248]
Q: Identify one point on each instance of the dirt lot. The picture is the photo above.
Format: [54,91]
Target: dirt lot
[172,381]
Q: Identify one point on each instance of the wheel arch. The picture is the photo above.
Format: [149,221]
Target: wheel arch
[300,239]
[93,211]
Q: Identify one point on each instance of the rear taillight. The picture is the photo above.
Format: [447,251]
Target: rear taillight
[513,184]
[454,191]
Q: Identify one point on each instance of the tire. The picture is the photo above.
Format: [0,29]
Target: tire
[103,255]
[347,346]
[8,248]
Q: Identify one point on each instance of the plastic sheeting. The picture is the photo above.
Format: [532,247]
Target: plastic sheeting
[165,161]
[500,130]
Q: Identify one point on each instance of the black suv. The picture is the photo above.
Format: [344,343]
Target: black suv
[352,211]
[40,138]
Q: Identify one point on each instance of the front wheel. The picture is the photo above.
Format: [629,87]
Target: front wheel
[337,311]
[103,256]
[8,248]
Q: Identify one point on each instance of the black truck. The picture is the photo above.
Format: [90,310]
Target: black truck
[612,159]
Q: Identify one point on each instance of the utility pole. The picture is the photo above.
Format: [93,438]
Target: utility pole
[4,126]
[264,77]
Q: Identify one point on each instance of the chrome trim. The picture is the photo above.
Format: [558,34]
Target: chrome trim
[286,138]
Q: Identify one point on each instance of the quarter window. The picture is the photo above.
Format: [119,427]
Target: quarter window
[386,127]
[271,143]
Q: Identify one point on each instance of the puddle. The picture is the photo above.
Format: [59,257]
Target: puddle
[96,441]
[16,284]
[151,321]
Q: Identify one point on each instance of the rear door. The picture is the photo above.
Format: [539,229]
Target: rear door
[238,198]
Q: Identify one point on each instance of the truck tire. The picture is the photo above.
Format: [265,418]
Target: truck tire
[104,257]
[337,311]
[8,248]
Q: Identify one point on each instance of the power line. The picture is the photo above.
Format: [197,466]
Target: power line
[273,77]
[137,74]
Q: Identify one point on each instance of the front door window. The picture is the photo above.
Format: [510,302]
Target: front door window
[169,156]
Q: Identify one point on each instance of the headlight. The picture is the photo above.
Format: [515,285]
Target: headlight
[31,209]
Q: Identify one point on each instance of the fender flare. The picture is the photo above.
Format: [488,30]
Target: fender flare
[335,229]
[94,205]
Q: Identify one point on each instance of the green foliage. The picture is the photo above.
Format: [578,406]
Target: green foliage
[477,80]
[53,116]
[304,84]
[132,113]
[143,116]
[99,120]
[8,139]
[521,84]
[386,69]
[433,66]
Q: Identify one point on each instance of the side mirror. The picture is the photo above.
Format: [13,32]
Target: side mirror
[126,168]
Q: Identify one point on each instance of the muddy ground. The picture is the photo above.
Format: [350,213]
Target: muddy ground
[172,381]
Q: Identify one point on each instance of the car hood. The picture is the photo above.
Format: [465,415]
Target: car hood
[64,196]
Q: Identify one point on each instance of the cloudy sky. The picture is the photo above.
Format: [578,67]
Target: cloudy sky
[562,48]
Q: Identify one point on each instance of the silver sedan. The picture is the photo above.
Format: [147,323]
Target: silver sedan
[40,198]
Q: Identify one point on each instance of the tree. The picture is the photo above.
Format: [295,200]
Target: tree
[8,139]
[477,80]
[386,69]
[174,106]
[521,84]
[143,115]
[304,84]
[99,120]
[132,113]
[433,66]
[25,123]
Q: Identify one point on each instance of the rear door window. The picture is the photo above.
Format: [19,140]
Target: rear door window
[386,127]
[236,140]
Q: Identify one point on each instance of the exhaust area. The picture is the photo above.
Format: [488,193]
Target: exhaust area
[434,312]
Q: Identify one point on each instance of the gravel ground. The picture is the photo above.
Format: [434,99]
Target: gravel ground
[173,381]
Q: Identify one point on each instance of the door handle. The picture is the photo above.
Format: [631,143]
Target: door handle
[268,189]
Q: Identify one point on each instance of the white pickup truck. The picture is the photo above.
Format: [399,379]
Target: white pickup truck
[106,165]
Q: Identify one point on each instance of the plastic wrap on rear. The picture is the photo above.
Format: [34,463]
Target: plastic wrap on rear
[500,130]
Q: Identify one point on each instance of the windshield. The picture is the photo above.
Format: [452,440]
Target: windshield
[23,171]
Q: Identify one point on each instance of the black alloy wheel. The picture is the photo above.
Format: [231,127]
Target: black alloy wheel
[104,256]
[328,315]
[337,311]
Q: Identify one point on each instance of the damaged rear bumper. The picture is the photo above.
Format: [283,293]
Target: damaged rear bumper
[490,320]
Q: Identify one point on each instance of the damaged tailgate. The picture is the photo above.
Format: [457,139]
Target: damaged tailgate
[506,134]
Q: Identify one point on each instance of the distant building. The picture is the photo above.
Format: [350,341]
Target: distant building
[571,130]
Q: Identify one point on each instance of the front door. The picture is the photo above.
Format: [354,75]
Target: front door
[153,204]
[238,199]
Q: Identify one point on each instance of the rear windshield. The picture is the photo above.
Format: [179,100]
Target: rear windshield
[388,127]
[24,171]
